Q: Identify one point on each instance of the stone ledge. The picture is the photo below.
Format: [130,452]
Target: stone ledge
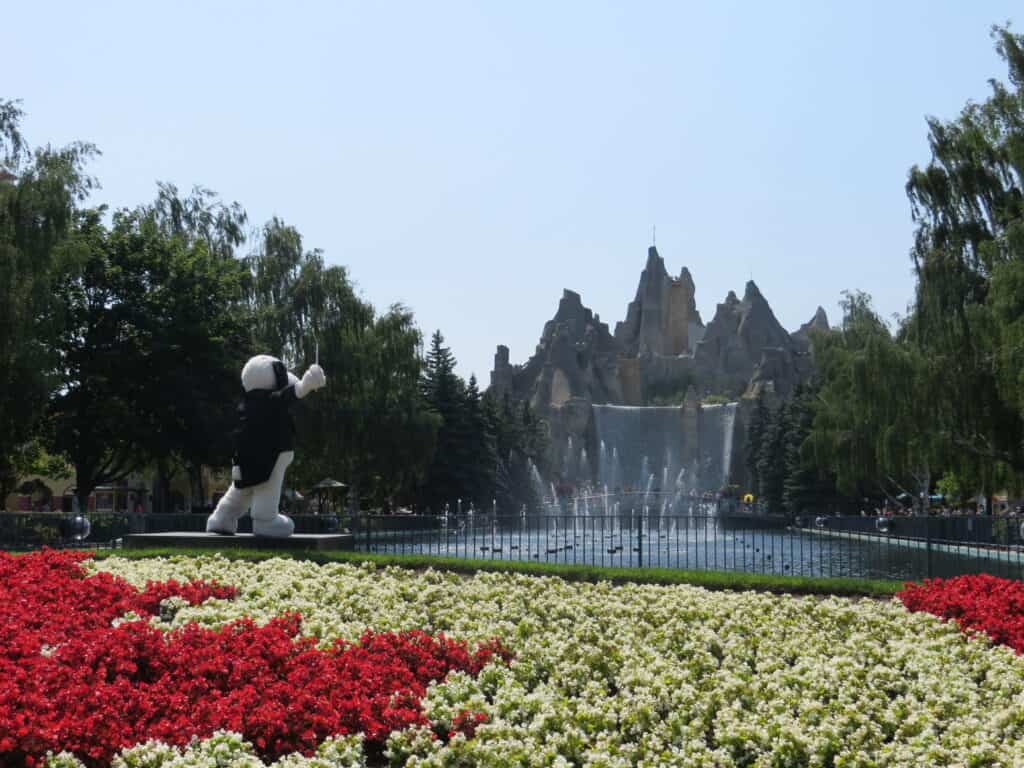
[185,539]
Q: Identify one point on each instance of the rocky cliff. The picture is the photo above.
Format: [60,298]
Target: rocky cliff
[660,350]
[661,354]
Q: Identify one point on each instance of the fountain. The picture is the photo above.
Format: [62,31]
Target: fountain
[666,440]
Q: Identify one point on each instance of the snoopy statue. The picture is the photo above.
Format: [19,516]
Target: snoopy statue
[264,447]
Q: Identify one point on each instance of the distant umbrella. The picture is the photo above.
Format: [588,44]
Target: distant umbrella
[325,487]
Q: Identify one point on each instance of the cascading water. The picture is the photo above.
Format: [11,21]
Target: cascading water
[730,429]
[536,482]
[717,423]
[636,442]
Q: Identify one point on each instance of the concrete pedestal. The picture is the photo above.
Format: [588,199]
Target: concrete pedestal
[295,542]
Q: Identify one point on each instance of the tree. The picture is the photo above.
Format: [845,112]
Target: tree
[520,448]
[39,194]
[805,483]
[200,217]
[281,301]
[369,426]
[199,327]
[478,439]
[448,476]
[149,348]
[873,422]
[755,434]
[969,209]
[771,460]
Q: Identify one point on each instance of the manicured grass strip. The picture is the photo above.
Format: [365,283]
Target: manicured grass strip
[708,579]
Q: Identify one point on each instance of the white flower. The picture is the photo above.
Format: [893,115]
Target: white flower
[608,676]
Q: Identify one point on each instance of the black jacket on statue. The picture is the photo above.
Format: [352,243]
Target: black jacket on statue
[265,429]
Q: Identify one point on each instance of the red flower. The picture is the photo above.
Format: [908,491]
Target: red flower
[466,723]
[70,681]
[981,602]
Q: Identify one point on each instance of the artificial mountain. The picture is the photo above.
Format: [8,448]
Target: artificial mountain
[662,354]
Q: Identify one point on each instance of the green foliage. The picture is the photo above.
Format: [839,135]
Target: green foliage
[805,484]
[39,192]
[369,426]
[874,422]
[967,318]
[149,351]
[463,463]
[670,392]
[952,488]
[786,477]
[198,327]
[771,461]
[755,434]
[521,445]
[487,446]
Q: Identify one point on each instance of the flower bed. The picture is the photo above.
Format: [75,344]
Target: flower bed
[622,675]
[981,603]
[81,674]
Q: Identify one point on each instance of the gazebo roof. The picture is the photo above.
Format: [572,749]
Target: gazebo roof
[328,483]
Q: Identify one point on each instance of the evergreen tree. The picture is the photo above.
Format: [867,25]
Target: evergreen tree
[521,445]
[755,436]
[771,460]
[803,485]
[479,447]
[448,477]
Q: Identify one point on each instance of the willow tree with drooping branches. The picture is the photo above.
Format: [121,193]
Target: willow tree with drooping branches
[40,192]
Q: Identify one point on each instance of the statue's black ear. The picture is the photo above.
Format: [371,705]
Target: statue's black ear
[280,375]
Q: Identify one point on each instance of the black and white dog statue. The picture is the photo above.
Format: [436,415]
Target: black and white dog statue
[264,445]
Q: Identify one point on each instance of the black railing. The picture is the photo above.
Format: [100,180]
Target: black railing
[723,542]
[647,536]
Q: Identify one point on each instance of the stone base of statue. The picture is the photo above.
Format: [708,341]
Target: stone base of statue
[215,541]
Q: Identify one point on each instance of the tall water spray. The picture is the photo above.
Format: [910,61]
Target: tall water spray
[635,442]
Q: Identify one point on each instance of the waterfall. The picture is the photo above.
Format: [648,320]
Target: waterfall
[636,442]
[729,424]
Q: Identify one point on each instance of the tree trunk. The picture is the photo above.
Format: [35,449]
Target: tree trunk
[160,487]
[196,484]
[924,481]
[85,484]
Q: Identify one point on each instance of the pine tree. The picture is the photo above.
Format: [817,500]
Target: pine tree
[771,460]
[801,484]
[443,392]
[755,436]
[478,448]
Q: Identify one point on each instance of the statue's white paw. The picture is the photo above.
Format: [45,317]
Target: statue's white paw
[221,524]
[278,527]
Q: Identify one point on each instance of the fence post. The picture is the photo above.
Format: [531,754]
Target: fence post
[928,545]
[640,541]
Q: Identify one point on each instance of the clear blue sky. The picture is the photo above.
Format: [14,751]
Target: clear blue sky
[472,160]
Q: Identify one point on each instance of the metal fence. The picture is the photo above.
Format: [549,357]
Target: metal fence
[697,537]
[905,548]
